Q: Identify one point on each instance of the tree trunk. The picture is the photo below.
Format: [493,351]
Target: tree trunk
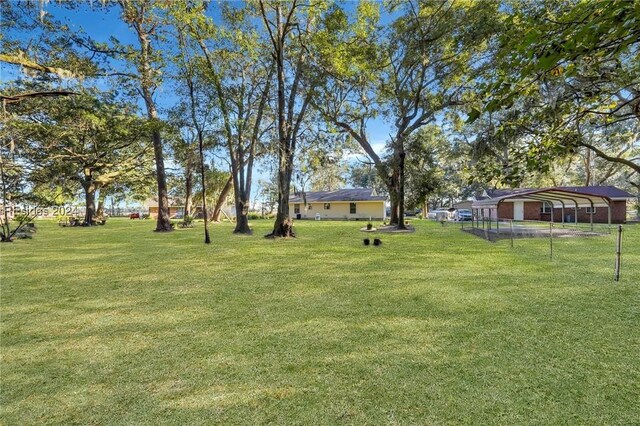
[203,181]
[393,217]
[287,129]
[242,219]
[147,85]
[244,181]
[400,198]
[188,191]
[163,223]
[6,227]
[392,187]
[425,209]
[90,202]
[217,209]
[238,178]
[283,226]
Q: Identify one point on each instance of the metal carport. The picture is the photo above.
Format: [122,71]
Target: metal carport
[558,198]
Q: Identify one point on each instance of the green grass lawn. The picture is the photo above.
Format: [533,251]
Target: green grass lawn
[121,325]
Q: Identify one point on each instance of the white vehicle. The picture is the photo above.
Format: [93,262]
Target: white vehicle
[440,215]
[463,215]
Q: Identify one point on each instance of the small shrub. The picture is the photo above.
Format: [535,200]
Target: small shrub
[369,226]
[187,222]
[366,241]
[20,217]
[377,242]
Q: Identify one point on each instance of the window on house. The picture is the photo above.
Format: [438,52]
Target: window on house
[309,207]
[546,207]
[327,206]
[296,208]
[591,210]
[352,208]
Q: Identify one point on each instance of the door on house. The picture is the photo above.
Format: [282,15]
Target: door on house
[518,210]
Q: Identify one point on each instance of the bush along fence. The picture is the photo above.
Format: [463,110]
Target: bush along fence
[493,230]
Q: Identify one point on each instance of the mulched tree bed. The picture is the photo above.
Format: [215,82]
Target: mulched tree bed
[394,229]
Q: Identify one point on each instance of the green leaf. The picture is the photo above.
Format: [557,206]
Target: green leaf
[473,115]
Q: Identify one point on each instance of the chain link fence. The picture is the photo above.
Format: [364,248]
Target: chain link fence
[557,241]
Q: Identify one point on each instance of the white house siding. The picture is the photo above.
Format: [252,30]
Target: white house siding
[340,210]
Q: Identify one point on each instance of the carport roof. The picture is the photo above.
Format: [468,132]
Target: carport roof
[587,196]
[609,191]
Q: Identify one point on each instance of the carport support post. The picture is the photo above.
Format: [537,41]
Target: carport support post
[618,254]
[551,240]
[511,231]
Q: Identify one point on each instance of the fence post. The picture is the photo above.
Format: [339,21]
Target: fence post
[618,253]
[511,231]
[551,240]
[485,229]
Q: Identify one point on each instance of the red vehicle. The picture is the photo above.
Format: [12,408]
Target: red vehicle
[134,216]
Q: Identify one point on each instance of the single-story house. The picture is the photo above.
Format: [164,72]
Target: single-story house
[175,211]
[594,204]
[356,204]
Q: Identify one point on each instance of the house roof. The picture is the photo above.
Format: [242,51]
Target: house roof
[463,203]
[352,194]
[578,195]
